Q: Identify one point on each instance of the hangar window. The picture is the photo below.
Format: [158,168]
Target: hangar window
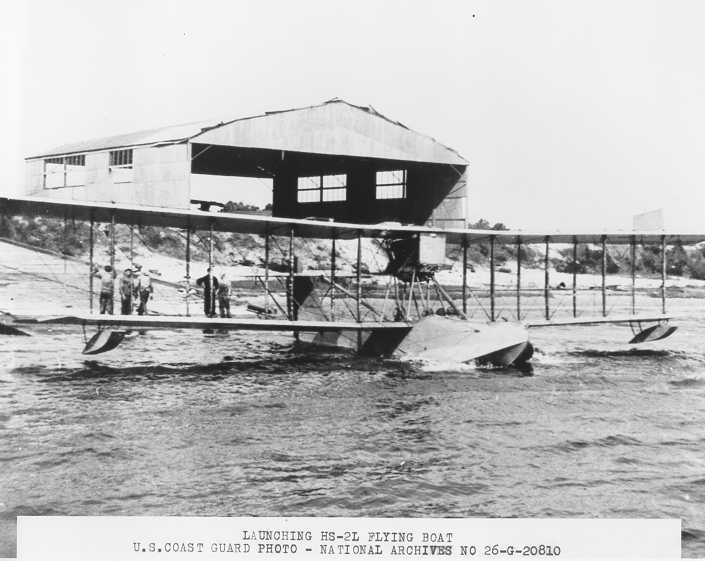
[322,188]
[65,171]
[121,166]
[391,184]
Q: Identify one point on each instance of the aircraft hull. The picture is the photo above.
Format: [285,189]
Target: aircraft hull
[450,339]
[435,338]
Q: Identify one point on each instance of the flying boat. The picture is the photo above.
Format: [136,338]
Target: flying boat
[365,178]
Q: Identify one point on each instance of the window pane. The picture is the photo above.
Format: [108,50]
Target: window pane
[121,157]
[334,180]
[391,191]
[309,196]
[310,182]
[338,194]
[392,177]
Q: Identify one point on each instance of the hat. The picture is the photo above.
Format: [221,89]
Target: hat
[137,266]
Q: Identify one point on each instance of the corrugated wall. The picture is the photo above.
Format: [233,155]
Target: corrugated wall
[160,177]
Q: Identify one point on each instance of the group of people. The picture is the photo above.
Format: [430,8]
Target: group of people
[215,288]
[134,285]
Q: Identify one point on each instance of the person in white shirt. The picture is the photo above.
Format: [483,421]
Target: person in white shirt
[107,283]
[143,288]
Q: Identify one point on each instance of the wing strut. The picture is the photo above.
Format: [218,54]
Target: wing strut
[546,288]
[663,274]
[603,271]
[518,278]
[91,242]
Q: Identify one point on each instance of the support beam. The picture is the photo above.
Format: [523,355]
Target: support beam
[546,293]
[112,254]
[492,283]
[91,265]
[603,272]
[132,245]
[575,277]
[266,271]
[663,274]
[633,259]
[359,277]
[447,298]
[211,304]
[332,278]
[290,284]
[465,276]
[411,292]
[518,278]
[188,271]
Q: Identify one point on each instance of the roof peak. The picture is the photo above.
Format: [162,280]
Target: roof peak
[188,131]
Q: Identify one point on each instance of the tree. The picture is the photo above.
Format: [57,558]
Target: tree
[239,206]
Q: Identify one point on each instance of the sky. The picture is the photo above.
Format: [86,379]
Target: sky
[573,115]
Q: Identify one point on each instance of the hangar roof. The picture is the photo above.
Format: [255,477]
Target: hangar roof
[334,127]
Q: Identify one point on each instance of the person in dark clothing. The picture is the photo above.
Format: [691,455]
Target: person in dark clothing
[126,292]
[210,288]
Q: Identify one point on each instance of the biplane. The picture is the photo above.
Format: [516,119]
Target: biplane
[416,317]
[366,177]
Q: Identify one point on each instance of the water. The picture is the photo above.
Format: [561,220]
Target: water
[183,423]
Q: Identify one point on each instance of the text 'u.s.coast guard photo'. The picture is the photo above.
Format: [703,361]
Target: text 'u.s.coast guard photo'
[347,280]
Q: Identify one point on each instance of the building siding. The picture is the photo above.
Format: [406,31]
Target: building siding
[160,177]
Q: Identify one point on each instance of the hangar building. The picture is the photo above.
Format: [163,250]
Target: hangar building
[334,160]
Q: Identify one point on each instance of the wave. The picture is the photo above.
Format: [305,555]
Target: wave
[688,383]
[606,442]
[91,369]
[693,535]
[596,353]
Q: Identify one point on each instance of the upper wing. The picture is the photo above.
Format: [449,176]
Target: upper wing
[256,224]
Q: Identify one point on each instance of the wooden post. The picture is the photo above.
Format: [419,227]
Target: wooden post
[603,270]
[663,274]
[359,276]
[112,255]
[266,270]
[332,278]
[91,265]
[492,287]
[518,278]
[547,311]
[290,287]
[411,293]
[188,269]
[575,277]
[132,245]
[211,303]
[359,287]
[633,256]
[465,276]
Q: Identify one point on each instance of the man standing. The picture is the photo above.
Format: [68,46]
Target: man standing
[224,296]
[126,292]
[144,289]
[107,282]
[210,287]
